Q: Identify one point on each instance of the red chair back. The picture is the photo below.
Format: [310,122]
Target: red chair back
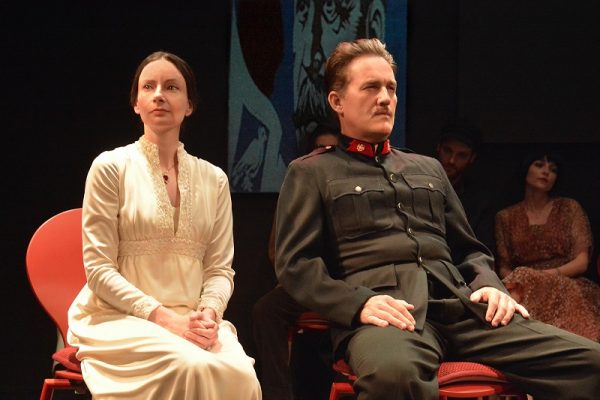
[54,263]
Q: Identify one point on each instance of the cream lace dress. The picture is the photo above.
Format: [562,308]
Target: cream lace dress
[139,253]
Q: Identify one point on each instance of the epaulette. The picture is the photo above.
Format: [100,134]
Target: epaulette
[318,151]
[403,149]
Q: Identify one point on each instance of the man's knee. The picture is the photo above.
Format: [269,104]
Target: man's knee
[263,308]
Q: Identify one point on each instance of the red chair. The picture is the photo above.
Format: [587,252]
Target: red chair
[456,379]
[55,270]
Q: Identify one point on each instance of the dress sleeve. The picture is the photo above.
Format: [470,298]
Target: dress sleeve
[580,230]
[502,251]
[101,241]
[218,259]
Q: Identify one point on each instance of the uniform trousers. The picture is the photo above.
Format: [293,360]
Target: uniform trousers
[272,317]
[542,360]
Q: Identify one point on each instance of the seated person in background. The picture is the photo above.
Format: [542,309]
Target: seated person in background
[366,235]
[276,311]
[544,245]
[457,151]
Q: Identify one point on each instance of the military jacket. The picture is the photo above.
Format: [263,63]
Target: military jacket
[351,226]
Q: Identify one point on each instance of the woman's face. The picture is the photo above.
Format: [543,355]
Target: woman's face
[541,175]
[162,100]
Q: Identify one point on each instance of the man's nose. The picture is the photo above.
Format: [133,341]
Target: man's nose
[383,97]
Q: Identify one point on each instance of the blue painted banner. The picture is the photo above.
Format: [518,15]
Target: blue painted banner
[276,91]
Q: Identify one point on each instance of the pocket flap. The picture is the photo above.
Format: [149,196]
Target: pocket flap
[422,181]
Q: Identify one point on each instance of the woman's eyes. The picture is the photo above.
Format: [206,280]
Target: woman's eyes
[148,86]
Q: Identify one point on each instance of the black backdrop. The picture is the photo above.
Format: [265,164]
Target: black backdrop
[523,71]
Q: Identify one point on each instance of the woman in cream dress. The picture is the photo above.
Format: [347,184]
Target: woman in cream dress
[158,249]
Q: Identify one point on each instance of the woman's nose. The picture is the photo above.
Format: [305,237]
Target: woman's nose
[158,95]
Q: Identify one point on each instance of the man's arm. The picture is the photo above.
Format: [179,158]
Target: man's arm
[476,263]
[301,237]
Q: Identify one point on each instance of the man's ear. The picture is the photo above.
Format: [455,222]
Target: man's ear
[335,101]
[375,20]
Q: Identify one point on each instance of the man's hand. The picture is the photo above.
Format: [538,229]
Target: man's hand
[384,310]
[501,306]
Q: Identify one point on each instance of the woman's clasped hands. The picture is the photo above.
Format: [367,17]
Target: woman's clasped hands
[199,327]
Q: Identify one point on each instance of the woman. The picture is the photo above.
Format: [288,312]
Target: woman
[158,248]
[544,245]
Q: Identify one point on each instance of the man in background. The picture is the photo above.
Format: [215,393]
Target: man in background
[457,151]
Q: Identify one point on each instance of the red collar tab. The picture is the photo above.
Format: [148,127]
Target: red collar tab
[368,149]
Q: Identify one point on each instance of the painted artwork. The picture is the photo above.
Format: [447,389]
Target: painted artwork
[276,90]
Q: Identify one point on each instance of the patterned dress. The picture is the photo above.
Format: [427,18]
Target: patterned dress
[141,252]
[572,304]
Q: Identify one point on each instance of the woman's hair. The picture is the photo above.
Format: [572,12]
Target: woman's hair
[181,65]
[542,153]
[345,53]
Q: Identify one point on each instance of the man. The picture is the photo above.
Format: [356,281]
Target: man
[318,27]
[275,312]
[365,235]
[457,151]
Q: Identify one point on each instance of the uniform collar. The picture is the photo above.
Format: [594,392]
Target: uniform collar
[365,148]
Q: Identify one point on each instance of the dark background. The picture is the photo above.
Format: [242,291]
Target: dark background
[523,71]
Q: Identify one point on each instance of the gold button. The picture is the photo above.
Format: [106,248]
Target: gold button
[358,189]
[430,185]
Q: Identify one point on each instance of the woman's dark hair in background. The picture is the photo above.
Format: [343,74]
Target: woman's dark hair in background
[180,64]
[541,153]
[307,143]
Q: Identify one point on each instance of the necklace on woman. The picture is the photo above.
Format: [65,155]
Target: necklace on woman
[165,174]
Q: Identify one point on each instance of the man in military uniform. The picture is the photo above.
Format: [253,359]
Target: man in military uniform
[376,240]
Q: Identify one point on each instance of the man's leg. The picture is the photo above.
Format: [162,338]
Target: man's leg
[547,362]
[393,364]
[272,317]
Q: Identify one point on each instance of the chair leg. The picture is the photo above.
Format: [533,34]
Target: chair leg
[340,388]
[50,384]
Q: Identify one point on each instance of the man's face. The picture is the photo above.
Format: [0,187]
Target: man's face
[455,157]
[366,106]
[319,25]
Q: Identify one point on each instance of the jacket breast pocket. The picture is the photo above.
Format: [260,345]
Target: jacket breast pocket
[428,199]
[359,206]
